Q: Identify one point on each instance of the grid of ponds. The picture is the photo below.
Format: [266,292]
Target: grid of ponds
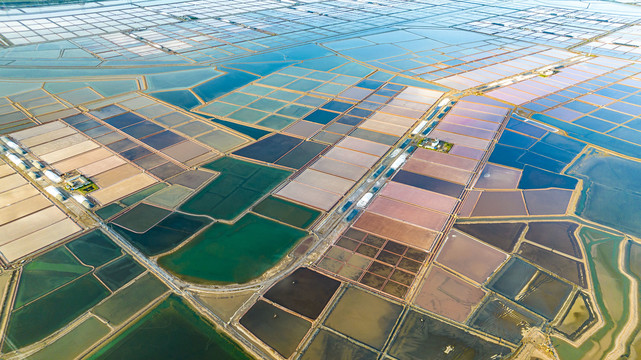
[226,114]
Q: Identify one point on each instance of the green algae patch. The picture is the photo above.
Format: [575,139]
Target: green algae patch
[171,331]
[235,253]
[239,185]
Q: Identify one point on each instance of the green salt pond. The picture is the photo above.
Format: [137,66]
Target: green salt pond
[239,185]
[75,342]
[94,248]
[129,300]
[167,234]
[141,217]
[119,272]
[44,316]
[170,197]
[109,211]
[287,212]
[142,194]
[46,273]
[233,253]
[171,331]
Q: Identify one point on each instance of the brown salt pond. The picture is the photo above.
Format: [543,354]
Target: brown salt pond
[185,151]
[419,197]
[303,128]
[324,181]
[78,161]
[437,170]
[466,130]
[498,177]
[38,130]
[460,139]
[25,225]
[399,231]
[18,193]
[115,175]
[500,203]
[339,168]
[548,201]
[421,337]
[101,166]
[225,305]
[470,257]
[11,181]
[468,152]
[280,330]
[445,159]
[309,195]
[557,235]
[408,213]
[365,146]
[22,208]
[447,295]
[304,291]
[122,188]
[452,118]
[558,264]
[328,346]
[384,128]
[364,317]
[352,157]
[39,239]
[58,144]
[67,152]
[502,235]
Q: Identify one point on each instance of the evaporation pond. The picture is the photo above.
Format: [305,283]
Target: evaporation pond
[41,318]
[239,185]
[364,317]
[167,234]
[119,272]
[233,253]
[304,291]
[46,273]
[171,331]
[420,334]
[94,248]
[141,217]
[275,327]
[613,203]
[502,235]
[287,212]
